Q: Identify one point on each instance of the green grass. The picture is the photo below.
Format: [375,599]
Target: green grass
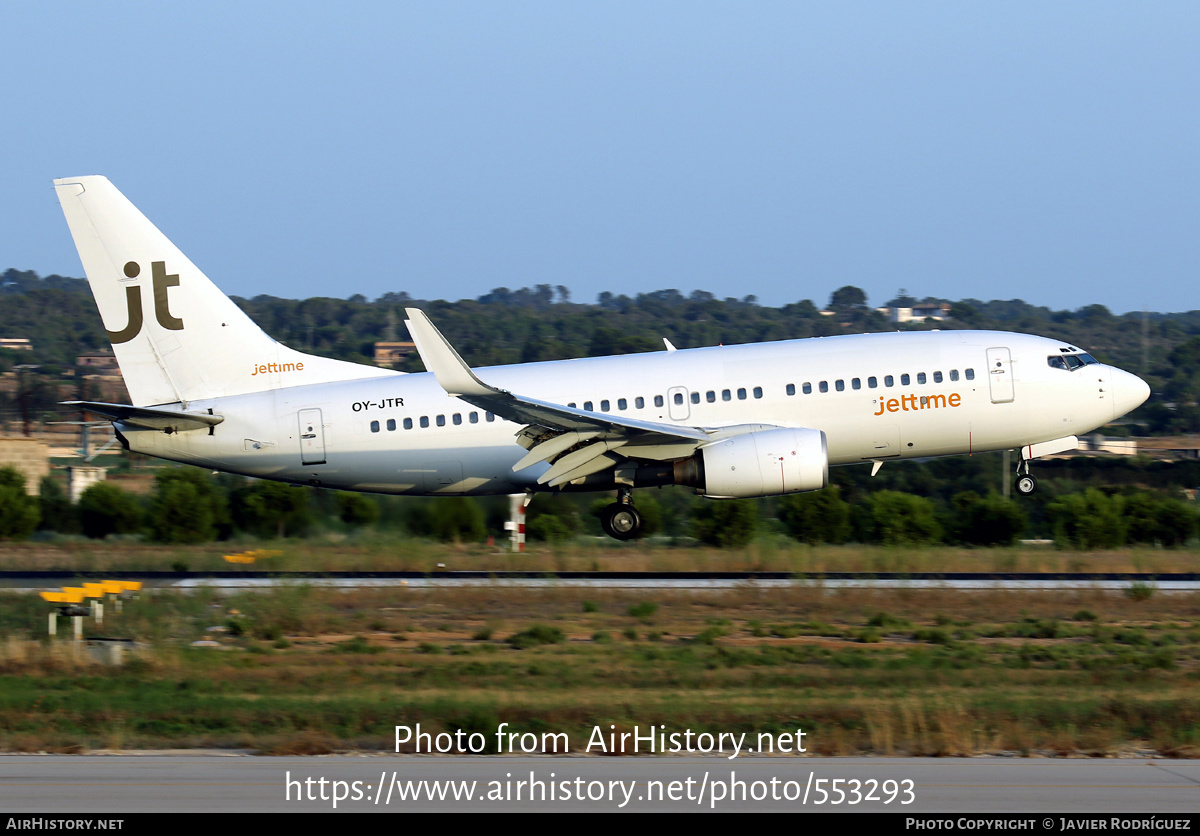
[886,671]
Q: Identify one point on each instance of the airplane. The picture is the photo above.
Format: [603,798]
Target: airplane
[210,388]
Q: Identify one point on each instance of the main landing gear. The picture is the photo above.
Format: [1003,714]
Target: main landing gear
[621,520]
[1025,483]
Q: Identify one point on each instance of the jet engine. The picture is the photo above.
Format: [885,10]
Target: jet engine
[765,463]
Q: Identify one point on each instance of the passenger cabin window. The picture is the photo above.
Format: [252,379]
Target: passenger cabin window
[710,396]
[441,420]
[490,416]
[587,405]
[391,425]
[806,388]
[695,397]
[791,388]
[658,400]
[953,375]
[726,395]
[408,423]
[457,418]
[905,380]
[639,402]
[823,386]
[474,417]
[758,391]
[840,385]
[873,382]
[424,421]
[888,380]
[374,426]
[622,404]
[921,378]
[604,406]
[937,377]
[970,374]
[856,383]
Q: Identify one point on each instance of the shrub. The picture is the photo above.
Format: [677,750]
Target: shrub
[1153,518]
[105,509]
[449,519]
[903,519]
[186,507]
[1091,520]
[986,521]
[536,635]
[356,510]
[19,512]
[644,610]
[817,517]
[1139,591]
[725,523]
[270,509]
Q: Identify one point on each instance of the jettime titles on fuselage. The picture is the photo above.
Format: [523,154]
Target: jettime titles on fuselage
[915,403]
[274,368]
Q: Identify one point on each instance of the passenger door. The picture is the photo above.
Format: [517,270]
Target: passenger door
[312,437]
[999,364]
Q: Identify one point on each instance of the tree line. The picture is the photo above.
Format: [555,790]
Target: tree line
[189,505]
[543,323]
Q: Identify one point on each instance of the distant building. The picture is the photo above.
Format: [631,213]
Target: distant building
[30,457]
[102,359]
[918,313]
[16,343]
[390,353]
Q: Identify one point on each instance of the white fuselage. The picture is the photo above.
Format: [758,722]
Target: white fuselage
[875,396]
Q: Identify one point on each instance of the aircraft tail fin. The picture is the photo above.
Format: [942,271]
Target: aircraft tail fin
[176,336]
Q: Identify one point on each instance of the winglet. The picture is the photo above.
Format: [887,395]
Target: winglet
[439,357]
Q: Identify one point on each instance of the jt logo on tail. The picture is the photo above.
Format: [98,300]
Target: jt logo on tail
[133,301]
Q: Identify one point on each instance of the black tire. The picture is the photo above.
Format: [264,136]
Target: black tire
[621,521]
[1025,485]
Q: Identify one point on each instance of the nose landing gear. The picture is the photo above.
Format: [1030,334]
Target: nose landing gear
[1025,484]
[621,521]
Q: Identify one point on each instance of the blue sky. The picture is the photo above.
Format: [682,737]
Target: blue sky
[1044,151]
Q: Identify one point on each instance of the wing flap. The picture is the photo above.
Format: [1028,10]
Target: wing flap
[576,460]
[547,450]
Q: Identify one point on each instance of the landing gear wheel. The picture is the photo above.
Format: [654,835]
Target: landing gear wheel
[1026,485]
[621,521]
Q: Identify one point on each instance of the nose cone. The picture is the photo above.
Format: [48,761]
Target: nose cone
[1129,392]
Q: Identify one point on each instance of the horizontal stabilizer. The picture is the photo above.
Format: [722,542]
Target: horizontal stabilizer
[167,420]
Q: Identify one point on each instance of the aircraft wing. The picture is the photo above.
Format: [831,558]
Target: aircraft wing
[577,442]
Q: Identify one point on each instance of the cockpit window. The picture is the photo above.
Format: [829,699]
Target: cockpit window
[1070,362]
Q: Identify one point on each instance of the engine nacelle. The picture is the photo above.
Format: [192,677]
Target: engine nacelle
[766,463]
